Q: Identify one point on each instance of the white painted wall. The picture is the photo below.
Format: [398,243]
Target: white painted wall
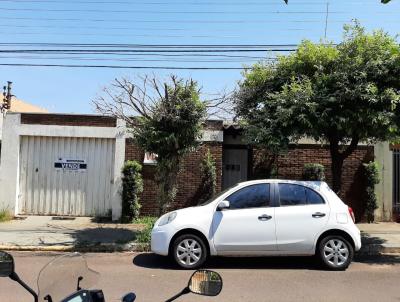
[119,160]
[9,163]
[384,190]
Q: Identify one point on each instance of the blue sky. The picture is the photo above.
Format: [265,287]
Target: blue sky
[162,22]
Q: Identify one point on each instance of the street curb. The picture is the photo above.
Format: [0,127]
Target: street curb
[95,248]
[368,249]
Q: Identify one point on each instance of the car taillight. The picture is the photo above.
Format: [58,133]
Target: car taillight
[352,214]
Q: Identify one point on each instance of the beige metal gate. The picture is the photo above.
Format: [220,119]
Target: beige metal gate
[65,176]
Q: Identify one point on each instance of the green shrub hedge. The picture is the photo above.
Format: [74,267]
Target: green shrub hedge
[313,171]
[132,186]
[371,174]
[209,179]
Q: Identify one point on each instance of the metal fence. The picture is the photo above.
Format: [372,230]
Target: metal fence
[396,180]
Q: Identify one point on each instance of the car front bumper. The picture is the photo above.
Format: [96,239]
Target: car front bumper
[160,242]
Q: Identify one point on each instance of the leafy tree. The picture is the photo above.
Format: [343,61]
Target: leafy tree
[339,95]
[164,118]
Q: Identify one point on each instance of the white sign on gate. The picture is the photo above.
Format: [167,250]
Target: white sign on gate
[150,158]
[68,164]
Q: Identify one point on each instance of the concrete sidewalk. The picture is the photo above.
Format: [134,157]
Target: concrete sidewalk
[377,238]
[44,233]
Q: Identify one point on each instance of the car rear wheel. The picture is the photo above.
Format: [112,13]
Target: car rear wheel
[335,252]
[189,251]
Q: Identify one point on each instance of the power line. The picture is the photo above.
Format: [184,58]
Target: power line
[162,12]
[115,35]
[128,35]
[161,3]
[80,27]
[145,50]
[173,21]
[139,45]
[161,55]
[133,59]
[123,67]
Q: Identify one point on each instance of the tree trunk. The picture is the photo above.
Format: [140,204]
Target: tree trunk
[338,158]
[166,178]
[337,165]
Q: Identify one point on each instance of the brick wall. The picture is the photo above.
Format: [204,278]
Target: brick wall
[290,166]
[68,120]
[189,180]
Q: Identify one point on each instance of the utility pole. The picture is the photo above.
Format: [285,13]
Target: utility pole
[6,104]
[326,18]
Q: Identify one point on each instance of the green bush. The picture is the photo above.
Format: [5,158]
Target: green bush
[209,180]
[143,238]
[314,171]
[371,174]
[147,220]
[132,186]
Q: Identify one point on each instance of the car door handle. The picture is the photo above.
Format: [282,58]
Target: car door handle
[264,217]
[318,215]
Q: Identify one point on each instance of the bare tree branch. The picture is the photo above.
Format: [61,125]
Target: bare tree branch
[126,99]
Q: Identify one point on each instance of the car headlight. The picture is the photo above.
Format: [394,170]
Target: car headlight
[167,218]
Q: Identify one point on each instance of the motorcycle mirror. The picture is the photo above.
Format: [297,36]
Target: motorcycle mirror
[129,297]
[6,264]
[205,283]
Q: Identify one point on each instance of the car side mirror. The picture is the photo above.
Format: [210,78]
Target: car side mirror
[205,283]
[6,264]
[223,205]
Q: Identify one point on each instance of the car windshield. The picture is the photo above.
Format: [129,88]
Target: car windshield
[218,195]
[60,277]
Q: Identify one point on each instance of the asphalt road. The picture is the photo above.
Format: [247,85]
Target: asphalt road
[153,278]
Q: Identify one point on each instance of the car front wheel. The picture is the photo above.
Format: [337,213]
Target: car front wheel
[335,252]
[189,251]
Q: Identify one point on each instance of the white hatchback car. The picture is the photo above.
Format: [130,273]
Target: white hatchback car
[261,218]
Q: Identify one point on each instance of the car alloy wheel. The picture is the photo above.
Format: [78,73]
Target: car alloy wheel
[189,252]
[336,252]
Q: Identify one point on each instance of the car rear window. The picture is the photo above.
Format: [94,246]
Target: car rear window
[295,195]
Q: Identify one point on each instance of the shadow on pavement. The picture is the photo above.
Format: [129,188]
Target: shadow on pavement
[102,235]
[80,238]
[391,259]
[153,261]
[368,239]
